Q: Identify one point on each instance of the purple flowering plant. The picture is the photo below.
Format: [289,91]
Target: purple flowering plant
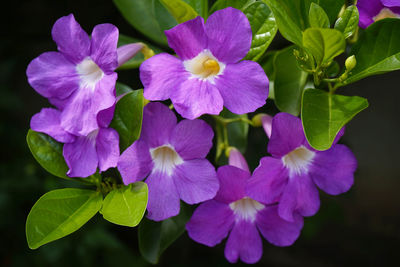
[169,157]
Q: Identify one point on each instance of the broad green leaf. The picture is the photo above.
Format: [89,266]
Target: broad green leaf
[128,117]
[238,4]
[156,237]
[147,16]
[138,58]
[126,206]
[348,22]
[289,82]
[263,26]
[377,51]
[121,89]
[317,17]
[180,10]
[267,63]
[200,6]
[331,7]
[59,213]
[48,152]
[324,114]
[324,44]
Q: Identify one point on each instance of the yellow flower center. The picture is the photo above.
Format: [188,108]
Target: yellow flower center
[204,66]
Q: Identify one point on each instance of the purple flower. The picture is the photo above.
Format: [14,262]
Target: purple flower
[232,212]
[83,154]
[80,78]
[207,75]
[172,157]
[373,10]
[295,170]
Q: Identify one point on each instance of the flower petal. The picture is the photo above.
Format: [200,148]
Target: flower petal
[391,3]
[163,197]
[229,35]
[210,223]
[195,97]
[158,124]
[192,139]
[243,86]
[52,75]
[244,242]
[105,116]
[196,181]
[275,229]
[333,170]
[71,39]
[103,49]
[80,114]
[48,121]
[301,196]
[107,147]
[236,159]
[368,9]
[81,156]
[268,181]
[232,181]
[188,39]
[161,75]
[286,135]
[135,163]
[126,52]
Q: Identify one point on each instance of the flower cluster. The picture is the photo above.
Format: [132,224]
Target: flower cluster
[373,10]
[170,156]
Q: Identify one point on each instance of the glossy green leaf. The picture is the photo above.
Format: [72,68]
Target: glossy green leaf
[331,7]
[180,10]
[324,44]
[377,51]
[126,206]
[348,22]
[147,16]
[121,89]
[128,118]
[263,27]
[324,114]
[317,17]
[200,6]
[138,58]
[289,82]
[238,4]
[156,237]
[48,152]
[59,213]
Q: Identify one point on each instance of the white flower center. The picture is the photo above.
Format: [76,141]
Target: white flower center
[89,72]
[385,13]
[298,160]
[204,66]
[246,208]
[165,159]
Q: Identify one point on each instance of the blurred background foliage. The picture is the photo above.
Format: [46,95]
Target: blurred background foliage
[359,228]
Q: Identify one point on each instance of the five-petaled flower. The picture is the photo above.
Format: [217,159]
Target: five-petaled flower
[80,79]
[233,212]
[373,10]
[207,75]
[171,156]
[295,170]
[83,154]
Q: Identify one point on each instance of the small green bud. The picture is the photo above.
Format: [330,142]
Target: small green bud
[350,63]
[257,122]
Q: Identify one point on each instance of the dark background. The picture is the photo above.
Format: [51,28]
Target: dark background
[359,228]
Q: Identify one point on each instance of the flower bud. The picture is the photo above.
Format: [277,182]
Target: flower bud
[257,122]
[351,63]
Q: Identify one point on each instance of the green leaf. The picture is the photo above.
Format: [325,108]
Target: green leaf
[126,206]
[48,152]
[348,22]
[331,7]
[289,82]
[317,17]
[121,89]
[238,4]
[200,6]
[59,213]
[267,63]
[128,117]
[138,58]
[377,51]
[156,237]
[324,44]
[180,10]
[263,26]
[147,16]
[324,114]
